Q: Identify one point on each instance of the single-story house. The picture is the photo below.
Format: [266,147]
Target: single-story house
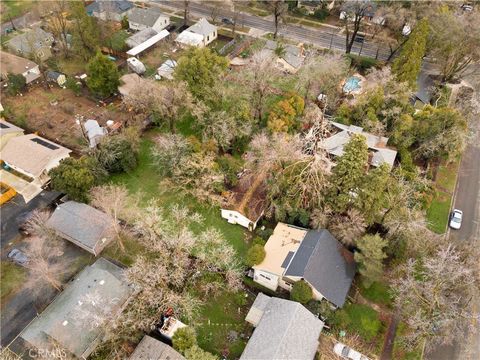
[377,145]
[166,69]
[114,10]
[83,225]
[56,77]
[140,37]
[35,42]
[200,34]
[94,132]
[294,254]
[246,203]
[368,10]
[75,320]
[284,329]
[129,83]
[12,64]
[292,58]
[140,19]
[8,131]
[153,349]
[32,157]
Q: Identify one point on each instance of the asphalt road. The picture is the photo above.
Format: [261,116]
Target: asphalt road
[21,22]
[322,37]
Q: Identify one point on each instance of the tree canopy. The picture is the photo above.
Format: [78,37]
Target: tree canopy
[103,77]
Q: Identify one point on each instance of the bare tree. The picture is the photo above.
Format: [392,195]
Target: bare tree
[57,22]
[433,295]
[354,12]
[279,9]
[348,228]
[115,201]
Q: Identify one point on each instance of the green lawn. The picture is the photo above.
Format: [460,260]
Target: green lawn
[438,212]
[360,319]
[13,9]
[378,292]
[12,277]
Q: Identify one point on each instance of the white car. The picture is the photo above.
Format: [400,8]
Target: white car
[345,352]
[456,219]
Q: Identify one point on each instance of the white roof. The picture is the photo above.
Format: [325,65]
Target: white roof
[167,68]
[94,131]
[148,43]
[202,27]
[189,38]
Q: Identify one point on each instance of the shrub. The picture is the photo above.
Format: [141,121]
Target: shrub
[116,154]
[72,84]
[229,167]
[362,63]
[184,338]
[301,292]
[255,255]
[16,84]
[265,233]
[321,14]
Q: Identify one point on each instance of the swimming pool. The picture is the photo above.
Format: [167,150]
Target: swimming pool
[352,84]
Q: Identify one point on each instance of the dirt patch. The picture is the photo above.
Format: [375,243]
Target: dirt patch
[52,114]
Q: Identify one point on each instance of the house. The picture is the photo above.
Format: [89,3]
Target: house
[129,83]
[140,19]
[294,254]
[56,77]
[94,132]
[35,43]
[367,8]
[83,225]
[113,10]
[140,37]
[75,320]
[27,160]
[292,56]
[379,153]
[246,203]
[200,34]
[152,349]
[425,87]
[12,64]
[166,69]
[8,131]
[284,329]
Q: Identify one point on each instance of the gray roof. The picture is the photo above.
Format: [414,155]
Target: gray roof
[286,330]
[152,349]
[325,264]
[425,84]
[146,17]
[140,37]
[202,27]
[293,54]
[73,320]
[115,6]
[33,39]
[82,224]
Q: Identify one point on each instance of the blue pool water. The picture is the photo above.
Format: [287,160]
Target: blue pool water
[352,84]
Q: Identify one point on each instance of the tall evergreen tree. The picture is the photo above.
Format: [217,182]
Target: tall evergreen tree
[85,31]
[370,257]
[347,176]
[103,77]
[408,64]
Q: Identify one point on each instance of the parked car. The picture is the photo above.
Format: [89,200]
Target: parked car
[360,39]
[227,21]
[467,7]
[17,256]
[345,352]
[456,219]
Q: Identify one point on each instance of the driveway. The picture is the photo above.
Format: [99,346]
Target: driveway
[14,213]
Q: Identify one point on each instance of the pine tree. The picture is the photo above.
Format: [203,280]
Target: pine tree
[103,77]
[370,257]
[348,174]
[370,199]
[408,64]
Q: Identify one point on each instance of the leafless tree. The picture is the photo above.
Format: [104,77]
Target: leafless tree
[349,227]
[57,21]
[433,295]
[115,201]
[354,13]
[37,224]
[279,9]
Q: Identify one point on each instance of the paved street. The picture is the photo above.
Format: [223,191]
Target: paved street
[21,22]
[322,37]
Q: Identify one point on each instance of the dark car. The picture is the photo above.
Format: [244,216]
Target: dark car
[227,21]
[360,39]
[17,256]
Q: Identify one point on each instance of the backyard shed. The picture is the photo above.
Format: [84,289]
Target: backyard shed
[56,77]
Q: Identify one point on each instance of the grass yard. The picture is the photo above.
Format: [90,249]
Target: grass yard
[12,278]
[378,292]
[12,9]
[360,319]
[438,212]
